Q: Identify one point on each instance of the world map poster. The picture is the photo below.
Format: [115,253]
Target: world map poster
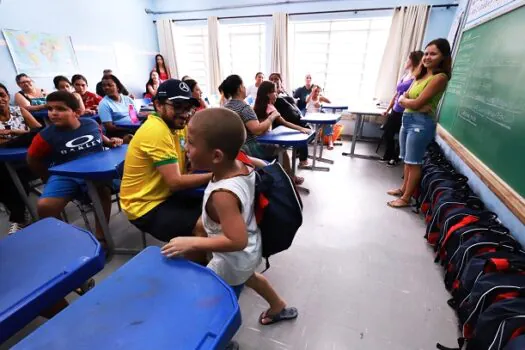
[41,54]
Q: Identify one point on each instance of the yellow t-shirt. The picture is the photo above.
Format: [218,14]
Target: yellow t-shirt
[154,144]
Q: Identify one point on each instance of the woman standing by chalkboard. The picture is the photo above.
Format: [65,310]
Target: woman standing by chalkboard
[419,119]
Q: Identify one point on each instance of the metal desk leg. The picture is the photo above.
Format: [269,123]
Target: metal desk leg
[358,134]
[99,211]
[294,162]
[335,141]
[320,158]
[314,157]
[21,190]
[358,119]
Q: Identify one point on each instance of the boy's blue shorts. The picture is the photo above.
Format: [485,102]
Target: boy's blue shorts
[58,186]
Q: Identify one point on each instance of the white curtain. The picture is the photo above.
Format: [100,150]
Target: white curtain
[215,78]
[279,62]
[406,35]
[167,44]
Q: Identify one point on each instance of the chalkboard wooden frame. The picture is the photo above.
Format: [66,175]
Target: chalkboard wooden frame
[514,201]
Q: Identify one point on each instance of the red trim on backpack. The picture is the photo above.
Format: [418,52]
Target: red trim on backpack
[433,237]
[455,285]
[505,296]
[425,207]
[517,332]
[262,203]
[467,220]
[468,331]
[496,264]
[486,250]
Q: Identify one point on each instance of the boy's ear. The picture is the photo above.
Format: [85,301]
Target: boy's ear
[218,156]
[78,112]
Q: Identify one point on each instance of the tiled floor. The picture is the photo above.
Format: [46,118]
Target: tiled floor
[360,272]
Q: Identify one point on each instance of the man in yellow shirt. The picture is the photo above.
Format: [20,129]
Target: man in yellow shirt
[152,193]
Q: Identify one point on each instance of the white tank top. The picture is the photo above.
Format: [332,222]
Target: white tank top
[310,106]
[235,267]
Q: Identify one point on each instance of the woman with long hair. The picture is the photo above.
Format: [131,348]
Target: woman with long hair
[395,110]
[264,108]
[152,85]
[235,91]
[419,119]
[196,93]
[161,68]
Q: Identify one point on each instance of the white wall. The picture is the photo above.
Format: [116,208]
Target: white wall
[103,32]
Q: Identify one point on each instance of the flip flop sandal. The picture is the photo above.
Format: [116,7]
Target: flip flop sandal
[286,314]
[397,192]
[298,180]
[393,204]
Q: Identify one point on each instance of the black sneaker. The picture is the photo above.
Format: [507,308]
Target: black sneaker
[391,163]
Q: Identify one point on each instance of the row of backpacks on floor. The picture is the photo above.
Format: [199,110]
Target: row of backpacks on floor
[484,266]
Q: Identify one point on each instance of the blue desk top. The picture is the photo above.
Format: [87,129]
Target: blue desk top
[13,154]
[149,303]
[334,106]
[321,118]
[284,136]
[128,124]
[95,166]
[40,265]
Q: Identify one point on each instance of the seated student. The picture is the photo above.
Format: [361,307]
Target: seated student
[152,85]
[100,90]
[155,170]
[63,84]
[252,90]
[89,99]
[15,124]
[285,105]
[264,109]
[215,137]
[302,93]
[313,105]
[114,107]
[234,90]
[67,138]
[29,97]
[196,93]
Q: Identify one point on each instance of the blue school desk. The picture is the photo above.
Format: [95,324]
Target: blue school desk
[11,156]
[39,265]
[149,303]
[318,120]
[128,124]
[100,166]
[287,137]
[333,107]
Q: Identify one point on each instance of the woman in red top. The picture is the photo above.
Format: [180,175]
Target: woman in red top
[90,99]
[161,69]
[196,92]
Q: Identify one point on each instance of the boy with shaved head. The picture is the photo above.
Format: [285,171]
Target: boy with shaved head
[215,137]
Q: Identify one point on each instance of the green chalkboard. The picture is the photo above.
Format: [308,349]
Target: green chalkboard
[484,104]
